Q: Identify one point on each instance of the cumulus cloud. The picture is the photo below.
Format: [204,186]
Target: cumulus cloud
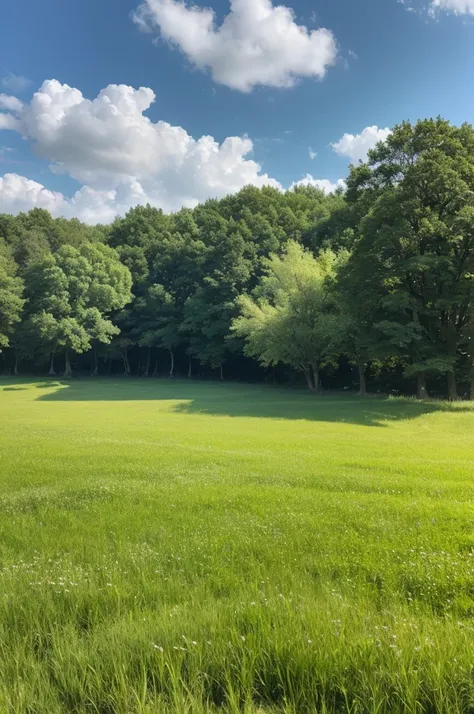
[121,156]
[15,83]
[18,193]
[356,147]
[322,184]
[108,138]
[11,104]
[256,44]
[93,205]
[312,154]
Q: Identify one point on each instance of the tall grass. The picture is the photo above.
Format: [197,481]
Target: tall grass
[190,548]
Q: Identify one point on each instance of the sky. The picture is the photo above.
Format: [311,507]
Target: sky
[107,104]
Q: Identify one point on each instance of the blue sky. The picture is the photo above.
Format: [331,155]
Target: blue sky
[376,63]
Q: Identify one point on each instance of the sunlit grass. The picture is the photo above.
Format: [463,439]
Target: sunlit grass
[182,547]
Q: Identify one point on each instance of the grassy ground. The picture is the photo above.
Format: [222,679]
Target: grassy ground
[179,547]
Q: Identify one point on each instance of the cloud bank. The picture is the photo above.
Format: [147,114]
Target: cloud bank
[119,154]
[122,158]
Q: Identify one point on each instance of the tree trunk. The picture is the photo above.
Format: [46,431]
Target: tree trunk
[421,391]
[110,366]
[126,363]
[171,363]
[472,380]
[221,368]
[155,371]
[308,373]
[67,366]
[15,365]
[148,362]
[52,372]
[315,372]
[362,382]
[190,370]
[95,370]
[452,343]
[452,386]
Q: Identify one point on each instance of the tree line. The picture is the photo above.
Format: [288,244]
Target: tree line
[370,284]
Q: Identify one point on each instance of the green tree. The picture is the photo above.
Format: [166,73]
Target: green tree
[161,321]
[289,318]
[352,328]
[70,295]
[416,249]
[207,320]
[11,295]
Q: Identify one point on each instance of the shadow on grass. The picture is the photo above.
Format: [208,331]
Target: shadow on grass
[242,400]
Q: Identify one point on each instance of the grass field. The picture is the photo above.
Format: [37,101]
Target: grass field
[184,547]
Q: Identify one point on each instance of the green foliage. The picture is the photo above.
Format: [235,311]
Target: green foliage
[415,255]
[398,300]
[70,294]
[11,292]
[289,317]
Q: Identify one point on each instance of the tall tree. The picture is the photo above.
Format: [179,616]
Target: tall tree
[289,317]
[70,296]
[416,241]
[11,295]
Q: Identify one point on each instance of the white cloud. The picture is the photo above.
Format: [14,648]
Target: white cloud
[93,205]
[323,184]
[15,83]
[122,156]
[18,193]
[108,138]
[433,8]
[256,44]
[14,107]
[356,147]
[11,104]
[459,7]
[312,154]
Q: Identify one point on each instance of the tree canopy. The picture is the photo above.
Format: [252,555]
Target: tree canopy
[371,286]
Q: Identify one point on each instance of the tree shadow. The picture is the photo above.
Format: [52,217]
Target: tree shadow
[243,400]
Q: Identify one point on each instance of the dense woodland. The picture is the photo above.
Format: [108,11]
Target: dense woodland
[370,288]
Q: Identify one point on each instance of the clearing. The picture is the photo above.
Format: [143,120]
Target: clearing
[192,547]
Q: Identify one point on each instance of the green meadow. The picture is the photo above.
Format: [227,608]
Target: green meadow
[178,547]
